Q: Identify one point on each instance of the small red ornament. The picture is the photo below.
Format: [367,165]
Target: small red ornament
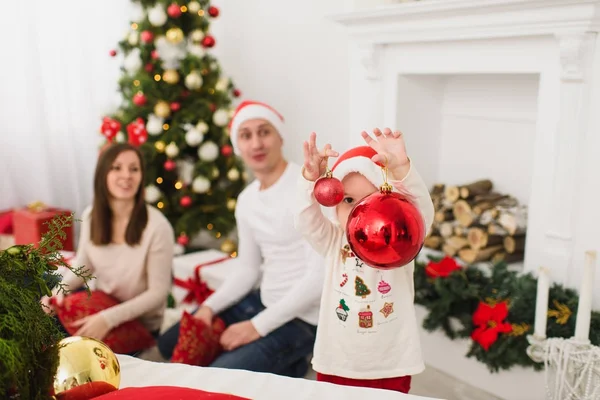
[185,201]
[149,67]
[236,93]
[139,99]
[183,239]
[110,127]
[136,131]
[185,93]
[329,191]
[174,11]
[227,150]
[169,165]
[385,230]
[208,41]
[175,106]
[112,53]
[212,107]
[146,36]
[213,11]
[154,54]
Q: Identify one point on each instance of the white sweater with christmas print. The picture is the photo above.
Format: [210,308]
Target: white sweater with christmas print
[367,325]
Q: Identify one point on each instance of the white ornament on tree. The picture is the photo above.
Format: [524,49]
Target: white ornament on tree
[208,152]
[172,150]
[233,174]
[133,62]
[200,185]
[193,6]
[193,81]
[197,35]
[154,126]
[185,170]
[137,12]
[202,127]
[152,194]
[222,84]
[221,117]
[157,15]
[120,137]
[196,49]
[193,137]
[169,53]
[133,38]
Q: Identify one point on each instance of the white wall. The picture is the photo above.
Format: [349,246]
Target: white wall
[290,56]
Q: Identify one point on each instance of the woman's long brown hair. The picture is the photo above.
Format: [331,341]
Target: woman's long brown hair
[101,223]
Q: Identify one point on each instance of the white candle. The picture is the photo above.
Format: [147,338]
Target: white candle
[584,308]
[541,304]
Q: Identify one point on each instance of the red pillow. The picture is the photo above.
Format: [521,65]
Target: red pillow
[86,391]
[127,338]
[198,344]
[166,392]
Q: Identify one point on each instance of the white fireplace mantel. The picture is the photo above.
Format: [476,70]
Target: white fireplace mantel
[553,41]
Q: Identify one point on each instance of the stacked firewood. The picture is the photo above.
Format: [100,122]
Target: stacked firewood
[476,224]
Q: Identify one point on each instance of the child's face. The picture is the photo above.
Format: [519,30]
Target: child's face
[356,188]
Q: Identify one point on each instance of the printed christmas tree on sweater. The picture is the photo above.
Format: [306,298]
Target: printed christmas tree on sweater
[176,105]
[361,288]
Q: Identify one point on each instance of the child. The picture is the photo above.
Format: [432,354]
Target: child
[367,332]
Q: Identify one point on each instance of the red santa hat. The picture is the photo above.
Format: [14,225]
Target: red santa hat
[251,109]
[359,159]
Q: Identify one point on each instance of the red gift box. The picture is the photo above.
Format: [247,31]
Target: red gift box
[30,224]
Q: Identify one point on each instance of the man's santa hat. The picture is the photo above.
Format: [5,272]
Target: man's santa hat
[251,109]
[359,159]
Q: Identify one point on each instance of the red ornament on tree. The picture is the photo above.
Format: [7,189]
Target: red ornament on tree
[213,11]
[147,36]
[112,53]
[227,150]
[183,239]
[154,54]
[236,93]
[208,41]
[139,99]
[110,127]
[174,11]
[169,165]
[149,67]
[137,133]
[212,107]
[175,106]
[329,191]
[185,201]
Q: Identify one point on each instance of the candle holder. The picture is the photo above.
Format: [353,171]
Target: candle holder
[572,367]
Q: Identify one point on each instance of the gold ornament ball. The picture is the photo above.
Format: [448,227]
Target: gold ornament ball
[228,246]
[174,35]
[162,109]
[231,204]
[171,76]
[215,173]
[160,146]
[86,368]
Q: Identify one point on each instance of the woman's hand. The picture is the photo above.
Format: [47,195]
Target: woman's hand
[315,161]
[94,326]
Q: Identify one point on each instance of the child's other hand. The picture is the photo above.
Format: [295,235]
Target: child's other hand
[315,161]
[390,148]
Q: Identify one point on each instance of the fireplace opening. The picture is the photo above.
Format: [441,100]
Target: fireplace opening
[473,137]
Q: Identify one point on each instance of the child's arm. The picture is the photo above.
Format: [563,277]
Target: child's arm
[308,218]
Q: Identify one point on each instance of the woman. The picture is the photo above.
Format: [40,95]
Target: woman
[125,244]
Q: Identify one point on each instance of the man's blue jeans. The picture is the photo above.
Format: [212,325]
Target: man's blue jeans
[283,351]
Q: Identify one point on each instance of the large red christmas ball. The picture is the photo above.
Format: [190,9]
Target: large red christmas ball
[208,41]
[385,230]
[139,99]
[174,11]
[328,191]
[213,11]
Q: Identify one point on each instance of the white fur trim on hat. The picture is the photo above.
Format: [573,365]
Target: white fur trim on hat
[248,110]
[364,166]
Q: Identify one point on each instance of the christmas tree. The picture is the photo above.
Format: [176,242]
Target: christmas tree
[176,105]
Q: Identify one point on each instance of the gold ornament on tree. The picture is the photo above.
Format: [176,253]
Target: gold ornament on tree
[160,146]
[174,35]
[228,246]
[162,109]
[231,204]
[87,368]
[170,76]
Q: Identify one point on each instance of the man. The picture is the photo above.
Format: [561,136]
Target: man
[272,329]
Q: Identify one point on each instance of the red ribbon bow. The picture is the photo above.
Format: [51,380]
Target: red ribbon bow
[197,288]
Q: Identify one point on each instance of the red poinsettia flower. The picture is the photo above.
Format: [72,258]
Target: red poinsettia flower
[443,268]
[489,320]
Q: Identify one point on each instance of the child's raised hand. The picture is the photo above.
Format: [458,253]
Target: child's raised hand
[315,161]
[390,148]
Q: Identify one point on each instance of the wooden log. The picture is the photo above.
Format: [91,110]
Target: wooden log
[491,196]
[449,250]
[508,258]
[446,229]
[495,229]
[460,230]
[443,214]
[476,188]
[471,255]
[451,193]
[458,242]
[479,238]
[437,189]
[514,244]
[433,242]
[513,219]
[488,216]
[463,213]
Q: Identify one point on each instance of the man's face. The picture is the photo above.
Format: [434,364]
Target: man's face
[259,145]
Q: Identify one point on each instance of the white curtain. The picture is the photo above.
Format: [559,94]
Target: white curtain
[58,80]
